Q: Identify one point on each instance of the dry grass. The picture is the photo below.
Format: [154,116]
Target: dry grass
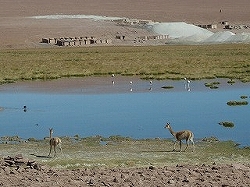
[158,62]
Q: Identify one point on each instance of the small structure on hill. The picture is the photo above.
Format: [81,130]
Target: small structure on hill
[132,22]
[207,26]
[75,41]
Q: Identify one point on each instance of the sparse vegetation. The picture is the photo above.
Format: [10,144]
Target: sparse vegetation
[126,152]
[243,97]
[210,139]
[32,139]
[237,103]
[212,85]
[6,139]
[227,124]
[148,62]
[167,87]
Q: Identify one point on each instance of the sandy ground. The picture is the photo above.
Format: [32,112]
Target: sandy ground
[18,30]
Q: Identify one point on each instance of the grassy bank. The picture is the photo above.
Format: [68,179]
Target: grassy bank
[126,152]
[157,62]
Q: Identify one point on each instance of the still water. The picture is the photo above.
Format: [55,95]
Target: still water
[138,110]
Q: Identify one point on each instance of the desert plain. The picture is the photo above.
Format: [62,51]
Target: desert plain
[19,28]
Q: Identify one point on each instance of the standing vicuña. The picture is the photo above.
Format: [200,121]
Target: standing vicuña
[186,134]
[54,142]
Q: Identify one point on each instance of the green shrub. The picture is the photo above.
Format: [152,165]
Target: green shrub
[243,97]
[167,87]
[237,103]
[227,124]
[212,85]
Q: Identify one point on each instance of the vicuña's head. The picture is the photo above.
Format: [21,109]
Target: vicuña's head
[51,130]
[167,126]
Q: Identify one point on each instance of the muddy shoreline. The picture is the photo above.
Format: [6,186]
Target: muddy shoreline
[109,84]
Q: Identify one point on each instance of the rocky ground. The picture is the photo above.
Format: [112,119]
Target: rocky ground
[18,171]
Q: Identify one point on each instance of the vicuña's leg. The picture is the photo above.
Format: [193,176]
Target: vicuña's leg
[60,147]
[192,143]
[50,150]
[180,145]
[174,144]
[187,142]
[54,150]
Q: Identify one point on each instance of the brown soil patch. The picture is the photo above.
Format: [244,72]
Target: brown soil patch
[18,30]
[28,173]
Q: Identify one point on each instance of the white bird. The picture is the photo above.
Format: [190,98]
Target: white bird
[188,86]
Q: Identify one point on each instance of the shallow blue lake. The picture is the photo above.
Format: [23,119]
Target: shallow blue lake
[137,110]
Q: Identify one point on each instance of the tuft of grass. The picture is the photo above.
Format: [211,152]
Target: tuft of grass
[212,85]
[10,139]
[244,97]
[167,87]
[210,139]
[227,124]
[237,103]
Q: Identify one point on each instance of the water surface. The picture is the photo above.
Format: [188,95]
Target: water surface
[138,110]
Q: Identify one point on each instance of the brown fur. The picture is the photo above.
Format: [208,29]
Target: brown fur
[181,135]
[55,141]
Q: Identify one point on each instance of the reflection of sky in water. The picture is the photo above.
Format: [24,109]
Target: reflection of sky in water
[136,114]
